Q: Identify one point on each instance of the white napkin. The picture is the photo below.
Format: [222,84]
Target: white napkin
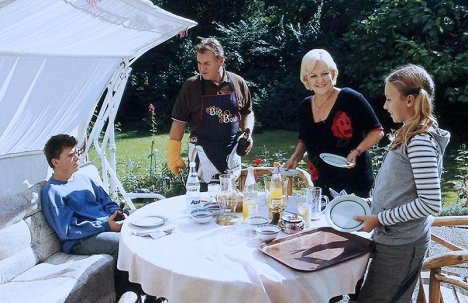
[155,234]
[335,194]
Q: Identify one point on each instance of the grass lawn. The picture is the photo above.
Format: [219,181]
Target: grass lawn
[134,148]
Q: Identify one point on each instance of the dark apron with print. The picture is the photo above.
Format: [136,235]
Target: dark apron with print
[218,126]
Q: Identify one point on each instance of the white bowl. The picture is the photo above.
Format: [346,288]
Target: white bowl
[267,232]
[255,221]
[201,215]
[214,207]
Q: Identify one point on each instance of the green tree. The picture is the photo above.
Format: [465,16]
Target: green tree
[430,33]
[265,41]
[266,48]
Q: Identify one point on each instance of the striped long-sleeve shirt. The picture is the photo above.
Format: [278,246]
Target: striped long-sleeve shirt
[407,189]
[423,158]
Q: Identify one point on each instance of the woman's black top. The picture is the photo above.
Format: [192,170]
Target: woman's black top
[350,120]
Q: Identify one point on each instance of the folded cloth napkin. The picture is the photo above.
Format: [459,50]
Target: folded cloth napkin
[335,194]
[155,234]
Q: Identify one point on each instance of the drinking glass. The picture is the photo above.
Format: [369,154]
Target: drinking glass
[266,181]
[314,198]
[304,210]
[213,189]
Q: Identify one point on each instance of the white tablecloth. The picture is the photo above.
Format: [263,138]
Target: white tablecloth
[219,264]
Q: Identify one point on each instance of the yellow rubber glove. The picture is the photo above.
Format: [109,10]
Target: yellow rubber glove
[173,158]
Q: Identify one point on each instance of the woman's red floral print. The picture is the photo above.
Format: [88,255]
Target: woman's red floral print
[341,126]
[313,171]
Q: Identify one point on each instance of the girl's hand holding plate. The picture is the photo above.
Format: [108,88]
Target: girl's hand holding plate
[370,222]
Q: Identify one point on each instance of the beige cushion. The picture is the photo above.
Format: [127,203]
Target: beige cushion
[16,207]
[25,236]
[50,281]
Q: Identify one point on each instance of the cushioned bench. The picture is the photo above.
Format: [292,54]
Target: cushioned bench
[32,266]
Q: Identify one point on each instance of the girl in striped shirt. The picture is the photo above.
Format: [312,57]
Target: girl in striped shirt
[407,189]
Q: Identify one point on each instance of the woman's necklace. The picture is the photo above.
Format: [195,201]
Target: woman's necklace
[318,107]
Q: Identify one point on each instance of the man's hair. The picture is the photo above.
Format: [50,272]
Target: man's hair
[210,45]
[55,145]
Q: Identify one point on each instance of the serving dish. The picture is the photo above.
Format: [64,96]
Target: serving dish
[315,249]
[267,232]
[255,221]
[214,207]
[201,215]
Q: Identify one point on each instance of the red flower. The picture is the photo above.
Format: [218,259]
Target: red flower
[151,109]
[257,161]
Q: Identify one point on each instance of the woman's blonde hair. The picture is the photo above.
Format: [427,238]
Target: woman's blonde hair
[310,60]
[413,80]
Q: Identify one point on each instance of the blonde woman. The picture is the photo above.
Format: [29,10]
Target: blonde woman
[407,190]
[337,121]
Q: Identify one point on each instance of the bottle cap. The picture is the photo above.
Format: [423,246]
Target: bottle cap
[276,164]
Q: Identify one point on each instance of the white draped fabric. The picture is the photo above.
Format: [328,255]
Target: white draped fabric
[105,28]
[57,57]
[35,106]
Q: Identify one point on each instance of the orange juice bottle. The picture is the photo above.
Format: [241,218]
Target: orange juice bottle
[276,185]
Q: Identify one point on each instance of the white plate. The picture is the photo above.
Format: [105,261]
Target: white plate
[340,211]
[334,160]
[288,173]
[149,221]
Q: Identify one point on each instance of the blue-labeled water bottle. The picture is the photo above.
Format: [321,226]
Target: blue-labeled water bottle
[193,189]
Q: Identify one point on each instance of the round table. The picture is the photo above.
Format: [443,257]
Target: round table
[213,263]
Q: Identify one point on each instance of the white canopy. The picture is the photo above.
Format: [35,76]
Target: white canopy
[57,57]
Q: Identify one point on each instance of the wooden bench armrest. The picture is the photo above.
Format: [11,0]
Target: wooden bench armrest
[450,221]
[445,259]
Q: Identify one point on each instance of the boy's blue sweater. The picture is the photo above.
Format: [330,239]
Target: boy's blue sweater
[76,209]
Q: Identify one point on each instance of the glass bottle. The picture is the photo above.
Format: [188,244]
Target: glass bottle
[243,143]
[193,189]
[277,199]
[276,184]
[250,203]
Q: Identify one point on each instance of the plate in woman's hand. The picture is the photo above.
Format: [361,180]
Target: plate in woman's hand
[335,160]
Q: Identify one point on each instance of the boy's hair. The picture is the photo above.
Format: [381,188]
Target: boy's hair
[54,146]
[210,45]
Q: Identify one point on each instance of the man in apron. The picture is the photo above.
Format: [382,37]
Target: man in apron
[216,104]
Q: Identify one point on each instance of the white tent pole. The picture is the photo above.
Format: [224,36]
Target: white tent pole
[100,123]
[114,178]
[118,89]
[101,117]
